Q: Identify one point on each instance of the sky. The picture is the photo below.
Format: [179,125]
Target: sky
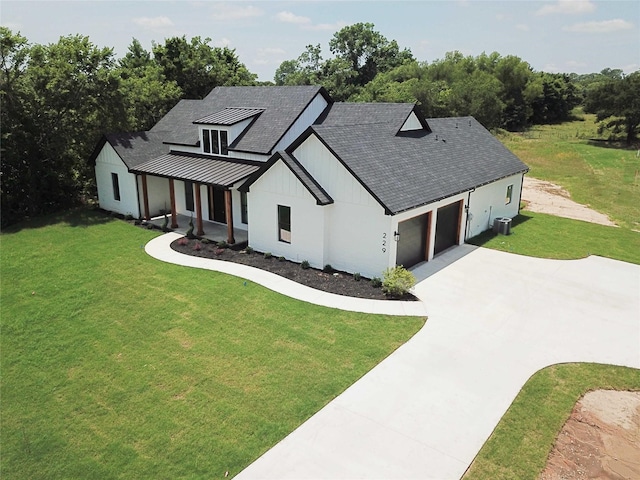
[581,36]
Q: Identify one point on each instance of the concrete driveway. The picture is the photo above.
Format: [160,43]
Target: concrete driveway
[494,320]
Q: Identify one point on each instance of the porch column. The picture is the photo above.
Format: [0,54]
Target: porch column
[145,197]
[200,230]
[229,214]
[172,194]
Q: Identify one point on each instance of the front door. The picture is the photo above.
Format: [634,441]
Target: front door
[217,211]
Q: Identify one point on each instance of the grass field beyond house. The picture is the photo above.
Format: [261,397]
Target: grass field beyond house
[115,365]
[599,174]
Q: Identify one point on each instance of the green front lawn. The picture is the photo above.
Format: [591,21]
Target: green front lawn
[115,365]
[520,444]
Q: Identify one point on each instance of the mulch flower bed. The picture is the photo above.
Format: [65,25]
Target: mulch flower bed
[340,283]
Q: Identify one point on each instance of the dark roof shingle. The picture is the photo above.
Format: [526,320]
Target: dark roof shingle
[410,169]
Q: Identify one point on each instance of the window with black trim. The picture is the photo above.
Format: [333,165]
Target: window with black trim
[116,186]
[284,224]
[244,217]
[188,195]
[215,142]
[507,200]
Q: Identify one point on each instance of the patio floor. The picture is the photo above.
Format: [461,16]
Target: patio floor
[216,232]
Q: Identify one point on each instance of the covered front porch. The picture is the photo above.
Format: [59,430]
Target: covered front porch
[213,231]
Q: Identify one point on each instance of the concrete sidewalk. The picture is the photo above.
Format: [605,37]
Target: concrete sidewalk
[494,320]
[160,249]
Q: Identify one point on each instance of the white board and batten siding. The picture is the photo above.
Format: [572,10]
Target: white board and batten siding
[489,202]
[279,186]
[108,162]
[357,233]
[157,194]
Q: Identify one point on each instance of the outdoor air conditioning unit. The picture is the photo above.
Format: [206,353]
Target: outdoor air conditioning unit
[502,225]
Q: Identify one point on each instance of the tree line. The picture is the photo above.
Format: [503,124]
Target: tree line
[58,99]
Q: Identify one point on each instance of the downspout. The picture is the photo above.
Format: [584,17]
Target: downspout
[467,207]
[521,188]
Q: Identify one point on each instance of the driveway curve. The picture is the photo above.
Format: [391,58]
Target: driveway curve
[494,320]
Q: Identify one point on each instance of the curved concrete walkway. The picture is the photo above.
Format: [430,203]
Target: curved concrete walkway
[160,249]
[494,320]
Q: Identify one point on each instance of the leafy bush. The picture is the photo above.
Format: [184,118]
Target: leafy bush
[223,244]
[219,251]
[205,241]
[357,277]
[267,255]
[183,241]
[197,247]
[281,259]
[248,250]
[305,264]
[397,281]
[327,268]
[376,282]
[128,217]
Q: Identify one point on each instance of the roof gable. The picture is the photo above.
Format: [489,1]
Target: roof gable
[133,148]
[280,107]
[301,173]
[406,170]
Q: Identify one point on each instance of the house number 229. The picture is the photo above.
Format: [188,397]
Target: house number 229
[384,242]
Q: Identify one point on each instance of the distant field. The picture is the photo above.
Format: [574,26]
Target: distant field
[605,177]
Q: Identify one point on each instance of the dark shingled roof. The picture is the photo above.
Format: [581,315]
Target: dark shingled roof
[391,114]
[410,169]
[202,169]
[282,106]
[301,173]
[229,116]
[133,148]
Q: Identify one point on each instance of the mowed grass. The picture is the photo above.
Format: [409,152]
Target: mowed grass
[548,236]
[519,446]
[115,365]
[607,178]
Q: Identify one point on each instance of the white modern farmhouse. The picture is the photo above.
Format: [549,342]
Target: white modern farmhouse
[359,186]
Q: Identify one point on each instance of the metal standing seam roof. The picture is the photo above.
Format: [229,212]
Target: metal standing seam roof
[229,116]
[212,171]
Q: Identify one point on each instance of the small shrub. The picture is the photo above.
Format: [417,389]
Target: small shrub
[397,281]
[357,277]
[327,268]
[219,251]
[205,241]
[267,255]
[223,244]
[128,217]
[165,223]
[305,264]
[149,226]
[376,282]
[183,241]
[281,259]
[248,250]
[137,221]
[197,246]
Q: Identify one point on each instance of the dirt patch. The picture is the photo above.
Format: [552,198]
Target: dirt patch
[546,197]
[340,283]
[600,440]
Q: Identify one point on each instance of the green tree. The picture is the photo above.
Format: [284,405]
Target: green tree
[58,99]
[146,93]
[197,68]
[617,100]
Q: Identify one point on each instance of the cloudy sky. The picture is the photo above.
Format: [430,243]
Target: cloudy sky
[579,36]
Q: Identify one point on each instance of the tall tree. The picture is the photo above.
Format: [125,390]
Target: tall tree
[146,93]
[59,102]
[197,68]
[619,101]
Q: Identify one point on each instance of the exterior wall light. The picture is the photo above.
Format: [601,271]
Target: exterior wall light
[396,236]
